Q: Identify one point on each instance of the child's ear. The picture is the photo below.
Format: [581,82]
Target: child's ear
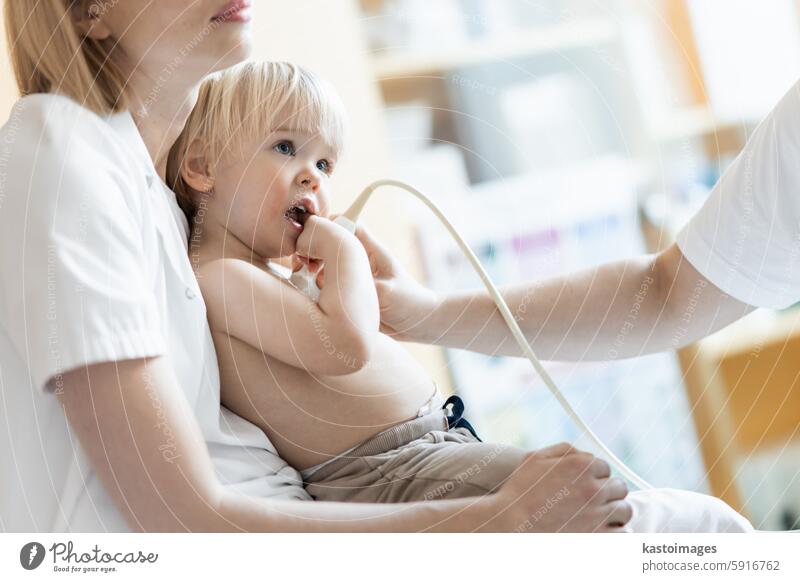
[195,170]
[88,16]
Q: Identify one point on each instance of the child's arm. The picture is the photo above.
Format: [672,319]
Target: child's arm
[334,337]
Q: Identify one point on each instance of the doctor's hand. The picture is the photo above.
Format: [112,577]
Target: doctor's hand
[561,489]
[406,304]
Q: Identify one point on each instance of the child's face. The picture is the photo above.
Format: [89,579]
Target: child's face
[264,188]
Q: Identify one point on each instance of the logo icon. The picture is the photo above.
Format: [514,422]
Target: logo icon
[31,555]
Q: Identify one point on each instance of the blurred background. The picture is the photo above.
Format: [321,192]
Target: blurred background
[559,134]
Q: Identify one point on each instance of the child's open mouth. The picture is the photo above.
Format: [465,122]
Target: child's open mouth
[298,213]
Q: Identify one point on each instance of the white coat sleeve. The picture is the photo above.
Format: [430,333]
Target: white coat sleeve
[746,238]
[73,276]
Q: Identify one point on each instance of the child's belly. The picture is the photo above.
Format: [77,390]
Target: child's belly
[311,418]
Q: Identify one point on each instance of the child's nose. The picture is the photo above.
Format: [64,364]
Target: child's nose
[308,179]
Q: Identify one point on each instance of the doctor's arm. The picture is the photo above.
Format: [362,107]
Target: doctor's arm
[142,438]
[637,306]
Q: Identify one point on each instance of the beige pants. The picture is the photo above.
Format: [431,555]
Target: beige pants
[413,461]
[423,460]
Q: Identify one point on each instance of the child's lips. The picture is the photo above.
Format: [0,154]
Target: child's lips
[293,224]
[298,213]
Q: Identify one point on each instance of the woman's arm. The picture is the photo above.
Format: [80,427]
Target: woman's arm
[638,306]
[141,437]
[628,308]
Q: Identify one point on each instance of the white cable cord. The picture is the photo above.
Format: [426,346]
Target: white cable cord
[352,214]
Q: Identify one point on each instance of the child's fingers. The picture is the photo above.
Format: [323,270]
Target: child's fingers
[298,261]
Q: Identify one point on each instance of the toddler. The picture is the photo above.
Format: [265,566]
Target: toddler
[342,402]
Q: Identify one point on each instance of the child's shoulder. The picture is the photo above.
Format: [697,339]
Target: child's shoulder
[231,281]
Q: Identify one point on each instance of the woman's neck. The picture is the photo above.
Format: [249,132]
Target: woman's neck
[160,110]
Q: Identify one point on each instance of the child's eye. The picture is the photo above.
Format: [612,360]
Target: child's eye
[285,148]
[324,166]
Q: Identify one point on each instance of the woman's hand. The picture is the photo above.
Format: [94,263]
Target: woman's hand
[561,489]
[406,305]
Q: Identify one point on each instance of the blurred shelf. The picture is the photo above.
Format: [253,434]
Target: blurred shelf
[394,65]
[751,334]
[544,200]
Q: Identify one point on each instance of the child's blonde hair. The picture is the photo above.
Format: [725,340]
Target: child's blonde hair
[249,101]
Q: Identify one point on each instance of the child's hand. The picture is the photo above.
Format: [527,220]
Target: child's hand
[322,240]
[314,266]
[299,261]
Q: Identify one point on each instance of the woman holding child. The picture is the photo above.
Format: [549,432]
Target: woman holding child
[108,368]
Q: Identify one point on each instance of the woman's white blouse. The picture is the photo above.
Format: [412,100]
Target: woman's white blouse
[94,268]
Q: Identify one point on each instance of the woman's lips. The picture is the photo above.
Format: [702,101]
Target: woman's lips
[235,11]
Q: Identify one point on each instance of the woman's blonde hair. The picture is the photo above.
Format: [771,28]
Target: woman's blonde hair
[49,55]
[250,101]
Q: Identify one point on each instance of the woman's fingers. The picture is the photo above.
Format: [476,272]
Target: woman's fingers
[379,258]
[614,489]
[619,514]
[595,467]
[557,450]
[600,468]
